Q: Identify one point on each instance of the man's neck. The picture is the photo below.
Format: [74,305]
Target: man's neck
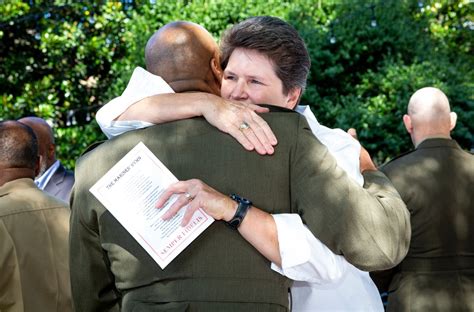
[10,174]
[433,136]
[190,85]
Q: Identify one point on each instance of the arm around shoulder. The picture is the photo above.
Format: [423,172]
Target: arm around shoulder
[370,226]
[392,229]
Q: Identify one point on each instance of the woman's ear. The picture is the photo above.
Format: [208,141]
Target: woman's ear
[293,97]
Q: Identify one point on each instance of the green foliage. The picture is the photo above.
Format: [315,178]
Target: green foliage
[365,77]
[63,61]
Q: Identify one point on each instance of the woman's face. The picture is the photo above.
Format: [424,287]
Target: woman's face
[250,78]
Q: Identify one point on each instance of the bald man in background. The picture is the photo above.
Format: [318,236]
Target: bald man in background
[436,182]
[53,178]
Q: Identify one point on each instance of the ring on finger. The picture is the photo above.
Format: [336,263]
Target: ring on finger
[243,126]
[189,197]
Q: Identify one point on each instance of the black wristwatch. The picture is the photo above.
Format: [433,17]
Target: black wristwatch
[242,208]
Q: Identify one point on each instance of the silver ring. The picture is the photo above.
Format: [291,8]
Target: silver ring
[189,197]
[243,126]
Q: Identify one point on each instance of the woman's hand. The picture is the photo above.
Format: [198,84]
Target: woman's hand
[258,227]
[235,118]
[195,194]
[366,162]
[241,121]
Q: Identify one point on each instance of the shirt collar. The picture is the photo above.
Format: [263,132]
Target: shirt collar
[46,176]
[305,110]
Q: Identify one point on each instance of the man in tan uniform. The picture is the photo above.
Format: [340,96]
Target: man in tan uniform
[34,229]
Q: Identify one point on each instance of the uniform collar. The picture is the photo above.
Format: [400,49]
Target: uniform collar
[438,142]
[8,187]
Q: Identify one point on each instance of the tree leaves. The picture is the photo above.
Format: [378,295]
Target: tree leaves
[62,62]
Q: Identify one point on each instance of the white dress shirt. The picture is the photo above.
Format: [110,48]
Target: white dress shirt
[46,176]
[324,281]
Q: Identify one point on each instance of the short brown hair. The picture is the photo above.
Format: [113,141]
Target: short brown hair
[277,40]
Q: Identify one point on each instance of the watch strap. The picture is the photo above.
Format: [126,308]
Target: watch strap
[243,206]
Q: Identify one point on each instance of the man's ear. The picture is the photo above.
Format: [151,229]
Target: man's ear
[293,97]
[51,151]
[37,166]
[454,118]
[407,122]
[216,69]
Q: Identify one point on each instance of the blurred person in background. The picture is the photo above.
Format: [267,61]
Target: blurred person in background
[52,177]
[34,228]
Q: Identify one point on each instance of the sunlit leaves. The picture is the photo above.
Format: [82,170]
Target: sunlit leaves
[62,61]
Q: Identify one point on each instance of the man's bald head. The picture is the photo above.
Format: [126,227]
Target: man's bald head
[429,115]
[46,146]
[18,146]
[186,56]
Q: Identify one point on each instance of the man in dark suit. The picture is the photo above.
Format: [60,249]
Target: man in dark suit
[436,182]
[53,177]
[220,271]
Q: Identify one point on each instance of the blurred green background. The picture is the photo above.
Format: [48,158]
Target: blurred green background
[63,60]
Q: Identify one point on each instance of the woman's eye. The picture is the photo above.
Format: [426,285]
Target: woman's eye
[255,81]
[229,77]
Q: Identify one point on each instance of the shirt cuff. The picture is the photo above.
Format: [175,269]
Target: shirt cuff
[294,249]
[303,256]
[119,127]
[142,84]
